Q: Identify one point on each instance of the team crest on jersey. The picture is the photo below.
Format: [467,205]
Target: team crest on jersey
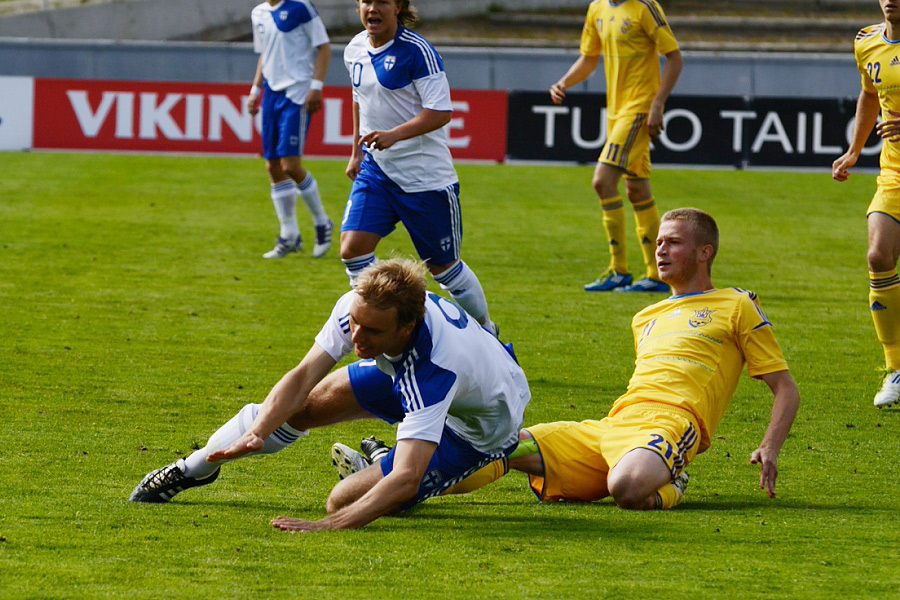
[389,62]
[283,15]
[702,317]
[432,479]
[626,23]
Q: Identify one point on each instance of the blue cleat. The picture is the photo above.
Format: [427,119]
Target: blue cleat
[611,280]
[647,284]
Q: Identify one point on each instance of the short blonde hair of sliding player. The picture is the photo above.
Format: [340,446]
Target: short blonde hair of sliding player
[395,283]
[704,227]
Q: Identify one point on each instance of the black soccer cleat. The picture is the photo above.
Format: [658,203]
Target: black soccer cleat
[373,448]
[162,484]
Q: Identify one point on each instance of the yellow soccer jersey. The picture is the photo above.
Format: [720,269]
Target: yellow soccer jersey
[690,351]
[878,60]
[630,34]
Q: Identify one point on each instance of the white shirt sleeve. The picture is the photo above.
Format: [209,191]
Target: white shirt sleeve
[335,337]
[434,91]
[315,29]
[426,423]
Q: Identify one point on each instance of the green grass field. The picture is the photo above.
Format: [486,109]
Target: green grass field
[137,315]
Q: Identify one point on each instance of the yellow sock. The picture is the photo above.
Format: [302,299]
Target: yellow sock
[668,496]
[614,224]
[884,302]
[646,216]
[480,478]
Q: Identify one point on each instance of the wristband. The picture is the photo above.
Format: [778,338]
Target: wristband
[254,89]
[316,84]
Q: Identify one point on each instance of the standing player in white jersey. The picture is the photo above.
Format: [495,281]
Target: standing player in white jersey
[294,52]
[456,390]
[400,163]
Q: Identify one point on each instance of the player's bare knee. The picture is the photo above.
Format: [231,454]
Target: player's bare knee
[626,490]
[880,259]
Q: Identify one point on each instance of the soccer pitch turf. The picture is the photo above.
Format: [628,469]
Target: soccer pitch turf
[138,315]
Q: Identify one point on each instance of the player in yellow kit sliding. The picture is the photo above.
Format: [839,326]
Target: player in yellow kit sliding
[630,35]
[877,50]
[690,351]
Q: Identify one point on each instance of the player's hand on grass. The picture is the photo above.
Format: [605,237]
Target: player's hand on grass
[245,444]
[889,129]
[292,524]
[769,472]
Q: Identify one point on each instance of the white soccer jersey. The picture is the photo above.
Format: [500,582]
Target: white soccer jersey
[453,371]
[392,84]
[287,36]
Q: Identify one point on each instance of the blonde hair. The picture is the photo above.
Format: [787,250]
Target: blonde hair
[396,282]
[704,227]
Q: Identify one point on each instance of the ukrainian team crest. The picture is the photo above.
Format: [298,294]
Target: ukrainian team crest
[389,62]
[702,317]
[626,23]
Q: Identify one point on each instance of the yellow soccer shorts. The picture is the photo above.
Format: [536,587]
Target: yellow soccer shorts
[628,145]
[577,457]
[887,195]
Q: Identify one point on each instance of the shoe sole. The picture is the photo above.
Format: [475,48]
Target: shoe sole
[342,462]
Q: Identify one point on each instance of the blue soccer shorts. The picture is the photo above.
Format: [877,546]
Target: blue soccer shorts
[432,218]
[284,125]
[453,460]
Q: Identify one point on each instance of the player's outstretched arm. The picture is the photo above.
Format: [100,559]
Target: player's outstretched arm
[283,401]
[784,409]
[867,108]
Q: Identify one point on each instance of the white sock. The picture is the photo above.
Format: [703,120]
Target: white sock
[309,190]
[463,285]
[354,266]
[284,197]
[198,467]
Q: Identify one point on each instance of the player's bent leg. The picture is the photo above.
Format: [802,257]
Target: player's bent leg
[352,488]
[634,480]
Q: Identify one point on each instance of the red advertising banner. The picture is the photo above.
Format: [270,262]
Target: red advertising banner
[172,116]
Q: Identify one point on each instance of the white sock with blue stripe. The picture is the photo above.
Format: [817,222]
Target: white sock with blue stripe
[354,266]
[198,467]
[309,191]
[463,285]
[284,197]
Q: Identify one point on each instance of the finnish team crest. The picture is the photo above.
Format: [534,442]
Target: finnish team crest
[389,62]
[283,15]
[702,317]
[446,244]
